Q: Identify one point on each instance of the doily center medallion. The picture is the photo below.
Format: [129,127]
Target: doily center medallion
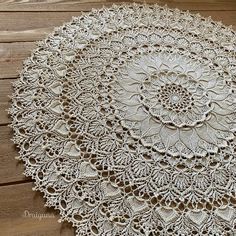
[125,119]
[176,98]
[170,110]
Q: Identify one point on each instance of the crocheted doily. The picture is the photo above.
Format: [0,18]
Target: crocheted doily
[125,118]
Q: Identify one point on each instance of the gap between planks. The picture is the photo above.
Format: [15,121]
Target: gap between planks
[16,182]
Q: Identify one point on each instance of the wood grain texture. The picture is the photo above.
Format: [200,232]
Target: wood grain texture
[5,92]
[12,56]
[20,213]
[30,26]
[11,170]
[86,5]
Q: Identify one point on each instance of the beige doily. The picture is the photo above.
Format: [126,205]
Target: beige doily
[125,118]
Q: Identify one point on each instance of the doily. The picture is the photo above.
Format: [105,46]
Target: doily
[125,118]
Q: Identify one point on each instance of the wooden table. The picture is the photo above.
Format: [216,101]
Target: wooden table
[21,24]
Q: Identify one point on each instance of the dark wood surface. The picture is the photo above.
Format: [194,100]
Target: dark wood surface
[22,23]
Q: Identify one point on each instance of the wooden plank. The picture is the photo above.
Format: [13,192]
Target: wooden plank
[21,209]
[54,5]
[227,17]
[11,170]
[26,21]
[19,21]
[24,35]
[86,5]
[12,56]
[5,91]
[32,26]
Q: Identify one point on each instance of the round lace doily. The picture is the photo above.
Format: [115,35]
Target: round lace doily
[125,118]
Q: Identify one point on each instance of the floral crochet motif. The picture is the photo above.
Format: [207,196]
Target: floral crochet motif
[125,118]
[180,113]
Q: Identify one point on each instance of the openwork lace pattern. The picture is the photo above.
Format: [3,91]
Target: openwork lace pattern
[125,118]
